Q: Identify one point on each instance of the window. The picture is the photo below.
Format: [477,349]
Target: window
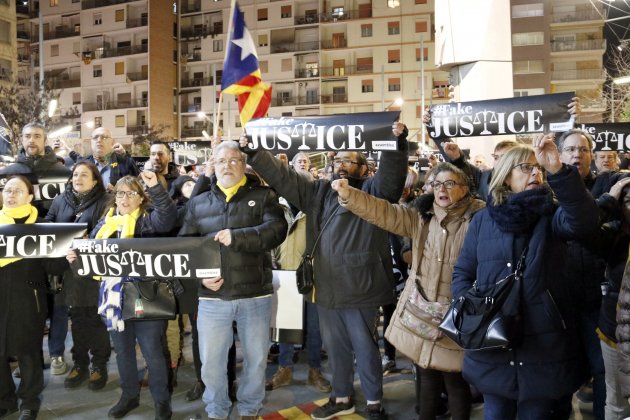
[529,92]
[425,56]
[364,64]
[527,38]
[366,30]
[421,1]
[528,66]
[285,11]
[527,10]
[54,3]
[76,98]
[5,30]
[393,84]
[97,71]
[264,66]
[120,15]
[393,28]
[119,68]
[262,14]
[367,86]
[120,120]
[421,27]
[98,122]
[337,12]
[54,50]
[286,64]
[393,56]
[98,18]
[217,45]
[263,40]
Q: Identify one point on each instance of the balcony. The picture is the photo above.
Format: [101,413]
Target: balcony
[190,57]
[23,58]
[136,23]
[64,82]
[335,98]
[70,113]
[191,107]
[116,52]
[21,8]
[196,32]
[23,35]
[192,132]
[296,100]
[590,44]
[306,19]
[284,101]
[102,106]
[579,16]
[91,4]
[346,15]
[304,73]
[205,81]
[335,43]
[6,74]
[346,70]
[136,129]
[584,74]
[191,7]
[137,76]
[294,47]
[61,32]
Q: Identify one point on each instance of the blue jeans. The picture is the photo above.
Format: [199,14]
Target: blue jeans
[313,341]
[214,323]
[350,333]
[149,335]
[58,330]
[587,324]
[500,408]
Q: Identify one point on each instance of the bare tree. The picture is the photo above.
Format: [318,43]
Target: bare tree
[619,95]
[143,137]
[22,105]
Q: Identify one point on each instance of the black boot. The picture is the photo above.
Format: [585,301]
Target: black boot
[163,411]
[123,406]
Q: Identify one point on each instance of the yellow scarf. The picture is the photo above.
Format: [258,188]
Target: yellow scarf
[8,216]
[230,192]
[127,222]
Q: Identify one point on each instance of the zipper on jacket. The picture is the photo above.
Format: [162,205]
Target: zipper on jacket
[36,300]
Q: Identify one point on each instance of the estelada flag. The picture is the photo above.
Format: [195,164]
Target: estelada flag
[5,136]
[241,71]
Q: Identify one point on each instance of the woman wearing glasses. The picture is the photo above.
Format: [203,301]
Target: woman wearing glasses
[436,225]
[83,201]
[536,378]
[129,217]
[22,307]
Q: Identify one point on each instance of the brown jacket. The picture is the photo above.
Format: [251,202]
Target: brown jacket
[432,266]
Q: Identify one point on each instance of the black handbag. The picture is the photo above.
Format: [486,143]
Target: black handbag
[304,275]
[148,300]
[490,319]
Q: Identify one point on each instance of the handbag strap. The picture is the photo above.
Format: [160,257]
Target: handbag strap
[309,255]
[424,235]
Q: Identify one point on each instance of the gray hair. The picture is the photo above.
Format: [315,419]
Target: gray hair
[36,124]
[229,145]
[572,131]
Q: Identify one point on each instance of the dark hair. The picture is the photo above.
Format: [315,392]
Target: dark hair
[29,186]
[96,175]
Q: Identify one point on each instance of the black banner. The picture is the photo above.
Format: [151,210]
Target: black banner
[46,188]
[189,153]
[609,136]
[365,131]
[526,114]
[39,240]
[182,258]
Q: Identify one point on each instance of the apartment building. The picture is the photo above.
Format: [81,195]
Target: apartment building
[110,60]
[320,56]
[558,46]
[8,59]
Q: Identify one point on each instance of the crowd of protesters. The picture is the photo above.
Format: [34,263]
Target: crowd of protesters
[378,234]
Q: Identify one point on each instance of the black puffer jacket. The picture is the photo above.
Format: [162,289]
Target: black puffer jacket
[121,165]
[352,262]
[46,165]
[257,225]
[78,291]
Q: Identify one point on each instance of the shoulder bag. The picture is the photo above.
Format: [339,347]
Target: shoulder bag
[304,273]
[145,300]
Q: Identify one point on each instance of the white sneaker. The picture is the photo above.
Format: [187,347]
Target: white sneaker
[58,366]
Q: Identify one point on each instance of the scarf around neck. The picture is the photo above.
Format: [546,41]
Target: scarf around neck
[125,224]
[230,192]
[520,211]
[8,216]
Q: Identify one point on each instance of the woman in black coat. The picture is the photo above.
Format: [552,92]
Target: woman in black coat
[23,307]
[536,378]
[84,201]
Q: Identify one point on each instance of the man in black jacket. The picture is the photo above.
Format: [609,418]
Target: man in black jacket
[352,263]
[247,221]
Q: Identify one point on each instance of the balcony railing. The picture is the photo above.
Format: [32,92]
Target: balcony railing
[205,81]
[302,73]
[335,98]
[294,47]
[23,58]
[342,71]
[100,106]
[191,7]
[136,129]
[335,43]
[196,32]
[64,82]
[70,113]
[117,52]
[6,75]
[192,132]
[23,35]
[578,74]
[191,107]
[21,8]
[306,19]
[590,44]
[346,15]
[91,4]
[296,100]
[136,23]
[578,16]
[137,75]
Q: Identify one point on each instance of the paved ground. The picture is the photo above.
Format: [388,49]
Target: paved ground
[81,403]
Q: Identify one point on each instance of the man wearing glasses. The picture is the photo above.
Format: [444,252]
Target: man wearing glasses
[352,264]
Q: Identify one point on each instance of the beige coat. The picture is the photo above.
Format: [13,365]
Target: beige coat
[432,266]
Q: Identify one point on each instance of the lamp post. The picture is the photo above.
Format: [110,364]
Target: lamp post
[624,80]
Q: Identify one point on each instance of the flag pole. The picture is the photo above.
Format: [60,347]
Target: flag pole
[215,126]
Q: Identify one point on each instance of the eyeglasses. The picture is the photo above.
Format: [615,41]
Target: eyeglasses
[231,162]
[572,149]
[447,184]
[19,193]
[527,168]
[129,194]
[344,162]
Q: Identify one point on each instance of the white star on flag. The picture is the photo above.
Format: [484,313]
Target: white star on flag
[247,45]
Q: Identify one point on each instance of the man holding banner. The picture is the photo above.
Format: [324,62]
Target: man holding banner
[353,265]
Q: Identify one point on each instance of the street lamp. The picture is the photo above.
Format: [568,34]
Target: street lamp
[397,103]
[52,107]
[624,80]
